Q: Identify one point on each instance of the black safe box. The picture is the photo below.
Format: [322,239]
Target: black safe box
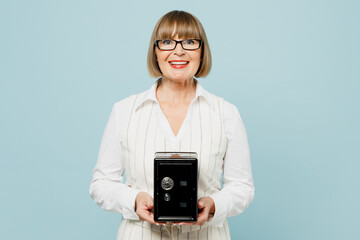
[175,186]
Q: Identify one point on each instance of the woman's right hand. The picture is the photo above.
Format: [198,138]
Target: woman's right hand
[143,207]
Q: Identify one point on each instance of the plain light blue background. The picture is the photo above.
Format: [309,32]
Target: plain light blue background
[291,67]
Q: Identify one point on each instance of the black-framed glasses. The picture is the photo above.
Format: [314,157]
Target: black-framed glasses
[170,44]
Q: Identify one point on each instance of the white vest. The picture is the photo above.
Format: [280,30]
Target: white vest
[142,136]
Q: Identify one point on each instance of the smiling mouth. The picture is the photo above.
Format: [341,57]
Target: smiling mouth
[179,64]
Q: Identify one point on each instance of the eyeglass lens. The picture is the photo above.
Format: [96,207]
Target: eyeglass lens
[187,44]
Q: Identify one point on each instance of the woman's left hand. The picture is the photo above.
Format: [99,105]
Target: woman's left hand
[206,207]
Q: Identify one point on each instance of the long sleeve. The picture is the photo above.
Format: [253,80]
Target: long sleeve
[238,187]
[107,188]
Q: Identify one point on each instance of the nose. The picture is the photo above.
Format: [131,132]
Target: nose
[179,50]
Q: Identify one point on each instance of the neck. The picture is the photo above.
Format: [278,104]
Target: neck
[176,92]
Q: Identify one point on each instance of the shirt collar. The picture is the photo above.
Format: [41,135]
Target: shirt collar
[150,95]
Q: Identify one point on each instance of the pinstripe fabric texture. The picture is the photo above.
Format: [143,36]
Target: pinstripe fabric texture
[144,136]
[136,230]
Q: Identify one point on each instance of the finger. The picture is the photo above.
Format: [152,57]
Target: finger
[203,216]
[145,205]
[201,204]
[200,222]
[188,223]
[150,204]
[202,219]
[146,216]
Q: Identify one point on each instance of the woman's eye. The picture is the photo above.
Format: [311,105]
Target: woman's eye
[166,42]
[189,42]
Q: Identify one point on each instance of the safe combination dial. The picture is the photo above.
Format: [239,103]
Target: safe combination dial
[167,183]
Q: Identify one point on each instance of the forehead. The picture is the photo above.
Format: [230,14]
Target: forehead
[181,28]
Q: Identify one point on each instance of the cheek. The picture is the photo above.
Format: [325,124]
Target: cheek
[197,59]
[197,56]
[161,58]
[158,56]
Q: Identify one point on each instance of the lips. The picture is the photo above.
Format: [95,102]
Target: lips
[178,64]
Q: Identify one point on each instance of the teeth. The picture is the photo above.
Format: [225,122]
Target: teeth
[178,63]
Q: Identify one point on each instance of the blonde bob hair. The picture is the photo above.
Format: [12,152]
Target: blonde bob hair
[185,25]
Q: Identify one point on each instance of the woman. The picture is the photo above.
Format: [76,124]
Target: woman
[175,114]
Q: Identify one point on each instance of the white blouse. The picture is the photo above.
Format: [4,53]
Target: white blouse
[110,192]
